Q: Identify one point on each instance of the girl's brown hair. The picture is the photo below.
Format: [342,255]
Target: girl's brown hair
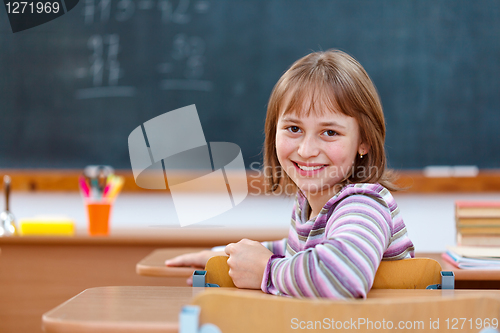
[335,82]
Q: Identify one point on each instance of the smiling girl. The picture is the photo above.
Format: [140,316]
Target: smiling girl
[325,135]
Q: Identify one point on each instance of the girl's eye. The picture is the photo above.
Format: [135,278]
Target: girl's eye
[330,133]
[293,129]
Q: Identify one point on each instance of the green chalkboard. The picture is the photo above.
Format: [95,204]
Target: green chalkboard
[73,89]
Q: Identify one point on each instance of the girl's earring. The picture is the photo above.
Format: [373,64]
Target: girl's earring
[361,155]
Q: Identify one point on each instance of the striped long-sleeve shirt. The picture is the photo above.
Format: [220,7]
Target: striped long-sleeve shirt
[337,253]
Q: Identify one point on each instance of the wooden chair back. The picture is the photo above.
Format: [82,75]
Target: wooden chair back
[247,311]
[218,272]
[416,273]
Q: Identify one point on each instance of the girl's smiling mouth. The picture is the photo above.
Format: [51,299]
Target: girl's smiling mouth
[308,169]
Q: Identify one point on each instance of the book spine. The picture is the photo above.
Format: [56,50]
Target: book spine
[479,231]
[477,240]
[446,257]
[477,204]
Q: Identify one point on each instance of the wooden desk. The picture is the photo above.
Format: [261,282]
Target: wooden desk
[37,273]
[161,236]
[156,309]
[120,309]
[154,265]
[466,278]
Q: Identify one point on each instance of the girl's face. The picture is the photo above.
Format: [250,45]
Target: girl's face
[318,151]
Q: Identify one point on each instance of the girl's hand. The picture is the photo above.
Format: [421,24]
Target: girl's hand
[247,263]
[197,260]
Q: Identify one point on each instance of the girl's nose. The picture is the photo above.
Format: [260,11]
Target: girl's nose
[308,147]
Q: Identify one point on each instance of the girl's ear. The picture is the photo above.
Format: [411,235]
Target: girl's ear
[363,149]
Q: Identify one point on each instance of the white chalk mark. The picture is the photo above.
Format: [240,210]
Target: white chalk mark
[200,85]
[100,92]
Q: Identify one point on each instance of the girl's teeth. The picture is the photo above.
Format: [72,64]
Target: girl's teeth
[306,168]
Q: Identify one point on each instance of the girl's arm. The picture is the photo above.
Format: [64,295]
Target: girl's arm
[277,247]
[199,259]
[196,259]
[343,265]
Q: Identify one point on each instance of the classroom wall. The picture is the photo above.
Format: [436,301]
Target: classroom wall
[73,89]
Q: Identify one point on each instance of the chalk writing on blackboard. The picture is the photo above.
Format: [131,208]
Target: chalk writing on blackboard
[105,69]
[188,54]
[185,60]
[179,12]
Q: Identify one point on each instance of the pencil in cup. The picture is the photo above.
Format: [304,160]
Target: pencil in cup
[93,188]
[99,197]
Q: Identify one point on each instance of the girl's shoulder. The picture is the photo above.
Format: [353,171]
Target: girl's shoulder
[374,191]
[365,188]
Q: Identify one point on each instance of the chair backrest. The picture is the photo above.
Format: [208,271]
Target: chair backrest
[416,273]
[218,272]
[250,311]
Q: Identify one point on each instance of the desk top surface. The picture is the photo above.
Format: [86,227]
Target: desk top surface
[156,309]
[464,274]
[165,237]
[154,265]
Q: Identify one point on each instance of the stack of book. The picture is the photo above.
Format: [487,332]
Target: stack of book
[478,223]
[473,257]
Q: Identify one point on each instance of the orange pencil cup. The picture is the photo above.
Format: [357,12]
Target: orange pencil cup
[99,214]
